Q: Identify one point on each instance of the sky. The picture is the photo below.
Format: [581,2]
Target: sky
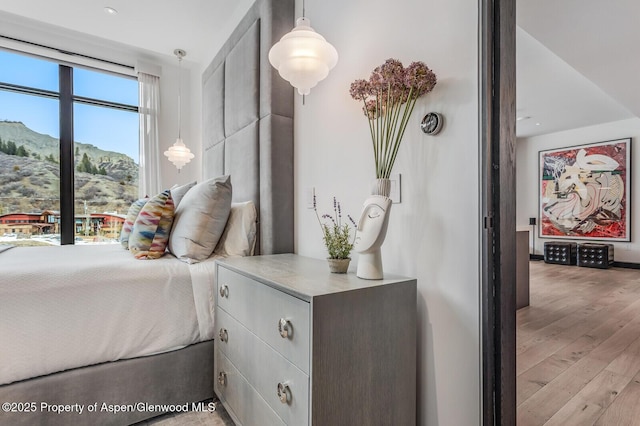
[106,128]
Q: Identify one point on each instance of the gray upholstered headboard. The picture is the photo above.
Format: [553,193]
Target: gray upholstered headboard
[248,122]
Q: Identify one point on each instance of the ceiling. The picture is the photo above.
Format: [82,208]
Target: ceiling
[577,61]
[159,26]
[552,96]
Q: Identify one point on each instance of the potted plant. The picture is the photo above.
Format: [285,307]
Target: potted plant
[337,237]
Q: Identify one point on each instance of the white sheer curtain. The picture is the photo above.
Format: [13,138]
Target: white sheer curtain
[149,108]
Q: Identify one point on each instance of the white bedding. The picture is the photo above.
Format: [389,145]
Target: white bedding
[70,306]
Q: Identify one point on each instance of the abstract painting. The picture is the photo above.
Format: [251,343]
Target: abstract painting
[584,191]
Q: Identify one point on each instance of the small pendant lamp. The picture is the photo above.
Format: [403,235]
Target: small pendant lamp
[303,57]
[178,153]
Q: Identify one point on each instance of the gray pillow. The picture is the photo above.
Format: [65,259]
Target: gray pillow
[177,192]
[200,220]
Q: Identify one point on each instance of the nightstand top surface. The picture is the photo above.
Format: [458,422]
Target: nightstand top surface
[302,277]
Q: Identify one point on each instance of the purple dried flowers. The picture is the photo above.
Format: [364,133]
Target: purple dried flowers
[420,78]
[359,89]
[388,98]
[388,76]
[328,216]
[336,235]
[371,110]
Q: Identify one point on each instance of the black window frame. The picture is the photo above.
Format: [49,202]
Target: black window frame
[66,101]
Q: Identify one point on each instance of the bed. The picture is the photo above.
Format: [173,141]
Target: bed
[97,304]
[247,134]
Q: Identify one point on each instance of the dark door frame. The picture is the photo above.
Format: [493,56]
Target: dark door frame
[497,91]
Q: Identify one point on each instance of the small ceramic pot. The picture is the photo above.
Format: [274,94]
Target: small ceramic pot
[339,266]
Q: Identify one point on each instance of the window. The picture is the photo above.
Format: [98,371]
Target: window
[68,152]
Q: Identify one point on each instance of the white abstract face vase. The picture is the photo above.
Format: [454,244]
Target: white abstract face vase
[371,232]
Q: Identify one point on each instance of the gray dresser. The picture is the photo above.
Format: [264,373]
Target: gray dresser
[297,345]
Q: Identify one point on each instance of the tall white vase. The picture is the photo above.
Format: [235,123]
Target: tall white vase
[381,187]
[372,230]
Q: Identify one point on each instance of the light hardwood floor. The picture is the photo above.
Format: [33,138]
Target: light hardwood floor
[578,347]
[219,417]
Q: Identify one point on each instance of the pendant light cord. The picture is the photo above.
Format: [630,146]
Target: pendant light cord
[304,16]
[179,97]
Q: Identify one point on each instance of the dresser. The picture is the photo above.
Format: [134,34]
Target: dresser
[297,345]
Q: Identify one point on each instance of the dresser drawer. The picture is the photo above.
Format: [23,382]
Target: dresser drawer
[260,308]
[264,369]
[242,402]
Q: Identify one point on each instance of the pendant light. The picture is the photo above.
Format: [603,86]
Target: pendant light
[303,57]
[178,153]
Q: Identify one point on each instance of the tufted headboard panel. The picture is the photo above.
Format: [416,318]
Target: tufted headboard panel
[248,122]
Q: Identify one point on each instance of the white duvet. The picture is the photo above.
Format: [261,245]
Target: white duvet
[70,306]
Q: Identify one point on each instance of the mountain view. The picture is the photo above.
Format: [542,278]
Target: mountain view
[105,181]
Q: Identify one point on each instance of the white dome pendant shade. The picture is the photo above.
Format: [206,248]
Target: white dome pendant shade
[179,154]
[303,57]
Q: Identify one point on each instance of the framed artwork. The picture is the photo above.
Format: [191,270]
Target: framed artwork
[585,191]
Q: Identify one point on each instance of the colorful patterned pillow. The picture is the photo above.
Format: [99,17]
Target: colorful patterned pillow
[132,214]
[150,234]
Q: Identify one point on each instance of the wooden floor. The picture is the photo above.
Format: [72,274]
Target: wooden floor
[219,417]
[578,347]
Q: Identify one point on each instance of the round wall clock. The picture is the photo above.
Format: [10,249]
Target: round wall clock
[432,123]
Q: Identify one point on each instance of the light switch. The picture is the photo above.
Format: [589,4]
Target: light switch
[310,192]
[395,193]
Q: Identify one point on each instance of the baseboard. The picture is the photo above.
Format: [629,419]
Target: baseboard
[615,264]
[629,265]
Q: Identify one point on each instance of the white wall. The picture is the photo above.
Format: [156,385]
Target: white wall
[48,35]
[527,176]
[191,121]
[433,233]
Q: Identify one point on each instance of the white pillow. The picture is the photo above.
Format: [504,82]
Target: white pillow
[200,220]
[177,192]
[239,236]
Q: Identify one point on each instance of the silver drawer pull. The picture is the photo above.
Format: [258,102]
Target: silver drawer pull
[284,393]
[222,378]
[224,290]
[285,328]
[224,335]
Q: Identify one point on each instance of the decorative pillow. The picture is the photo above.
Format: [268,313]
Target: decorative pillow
[200,220]
[239,236]
[132,214]
[148,239]
[177,192]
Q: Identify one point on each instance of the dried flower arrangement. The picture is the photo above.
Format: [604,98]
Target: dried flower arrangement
[388,98]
